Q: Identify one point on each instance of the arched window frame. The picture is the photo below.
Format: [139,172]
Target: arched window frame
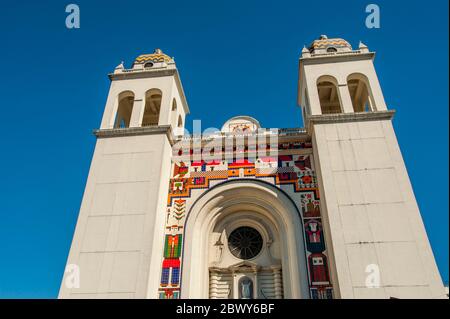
[174,104]
[151,109]
[331,50]
[122,117]
[361,77]
[332,80]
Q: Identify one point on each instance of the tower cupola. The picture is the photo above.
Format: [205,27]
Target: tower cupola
[156,59]
[325,45]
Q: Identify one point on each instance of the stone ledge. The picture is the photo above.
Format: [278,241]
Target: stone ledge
[348,117]
[140,74]
[330,58]
[134,131]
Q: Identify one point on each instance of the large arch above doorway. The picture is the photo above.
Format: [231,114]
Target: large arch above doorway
[226,198]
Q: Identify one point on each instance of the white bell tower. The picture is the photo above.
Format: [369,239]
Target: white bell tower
[377,242]
[118,240]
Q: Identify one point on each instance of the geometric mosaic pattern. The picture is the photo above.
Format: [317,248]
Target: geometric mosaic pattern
[326,43]
[157,56]
[294,171]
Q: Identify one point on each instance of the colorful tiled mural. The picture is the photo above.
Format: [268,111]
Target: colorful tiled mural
[292,173]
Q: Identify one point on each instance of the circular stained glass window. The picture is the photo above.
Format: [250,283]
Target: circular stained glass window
[245,242]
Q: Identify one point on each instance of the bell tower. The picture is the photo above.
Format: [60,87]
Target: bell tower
[118,239]
[377,242]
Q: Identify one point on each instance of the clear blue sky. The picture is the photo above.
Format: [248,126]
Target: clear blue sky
[235,57]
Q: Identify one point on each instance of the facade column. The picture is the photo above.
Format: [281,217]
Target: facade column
[255,283]
[345,99]
[137,112]
[213,280]
[277,283]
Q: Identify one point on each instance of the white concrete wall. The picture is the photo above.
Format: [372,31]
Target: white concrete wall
[370,212]
[118,239]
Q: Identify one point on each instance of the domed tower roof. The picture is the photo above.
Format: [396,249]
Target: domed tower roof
[324,44]
[156,57]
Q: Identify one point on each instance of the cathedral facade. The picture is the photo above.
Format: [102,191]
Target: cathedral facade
[245,212]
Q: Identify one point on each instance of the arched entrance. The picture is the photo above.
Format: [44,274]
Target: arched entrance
[272,254]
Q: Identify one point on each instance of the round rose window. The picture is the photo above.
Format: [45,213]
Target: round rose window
[245,242]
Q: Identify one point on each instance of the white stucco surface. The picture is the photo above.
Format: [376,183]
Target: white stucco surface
[372,214]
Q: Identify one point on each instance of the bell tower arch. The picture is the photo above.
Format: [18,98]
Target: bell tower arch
[275,267]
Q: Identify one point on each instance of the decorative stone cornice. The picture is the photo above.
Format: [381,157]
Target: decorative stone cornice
[347,117]
[145,73]
[244,269]
[133,131]
[336,57]
[283,135]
